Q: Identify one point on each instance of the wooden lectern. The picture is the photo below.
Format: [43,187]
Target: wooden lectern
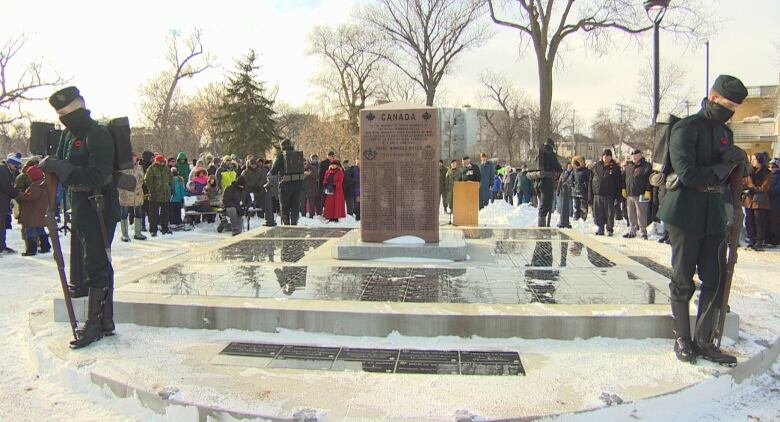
[465,204]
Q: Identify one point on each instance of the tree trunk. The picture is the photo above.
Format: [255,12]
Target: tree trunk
[430,93]
[545,102]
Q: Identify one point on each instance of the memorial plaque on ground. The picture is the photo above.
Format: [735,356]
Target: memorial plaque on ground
[399,179]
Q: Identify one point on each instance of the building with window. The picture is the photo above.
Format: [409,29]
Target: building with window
[755,123]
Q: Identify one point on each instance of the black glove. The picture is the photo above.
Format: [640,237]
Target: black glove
[61,167]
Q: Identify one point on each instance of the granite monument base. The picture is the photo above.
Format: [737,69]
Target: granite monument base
[451,246]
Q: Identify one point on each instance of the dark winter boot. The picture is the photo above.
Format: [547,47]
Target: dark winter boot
[45,246]
[703,346]
[30,246]
[285,219]
[683,345]
[108,314]
[93,328]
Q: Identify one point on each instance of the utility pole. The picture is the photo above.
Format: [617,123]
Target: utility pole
[621,109]
[574,131]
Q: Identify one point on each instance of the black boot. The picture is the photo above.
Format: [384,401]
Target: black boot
[108,314]
[93,328]
[703,346]
[683,345]
[30,246]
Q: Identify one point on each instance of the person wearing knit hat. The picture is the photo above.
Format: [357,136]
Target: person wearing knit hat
[86,170]
[158,181]
[33,202]
[703,155]
[233,200]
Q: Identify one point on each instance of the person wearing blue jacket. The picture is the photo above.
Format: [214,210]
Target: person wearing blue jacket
[178,191]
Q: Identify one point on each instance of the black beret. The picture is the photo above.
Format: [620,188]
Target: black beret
[607,152]
[64,97]
[731,88]
[465,157]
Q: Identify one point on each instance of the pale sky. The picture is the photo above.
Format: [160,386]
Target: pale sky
[109,49]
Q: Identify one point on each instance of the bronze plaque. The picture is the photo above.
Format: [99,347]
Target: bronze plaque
[399,178]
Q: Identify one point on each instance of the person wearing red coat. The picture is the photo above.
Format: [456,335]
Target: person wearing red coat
[333,182]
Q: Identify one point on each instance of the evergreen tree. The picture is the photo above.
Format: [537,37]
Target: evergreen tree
[245,123]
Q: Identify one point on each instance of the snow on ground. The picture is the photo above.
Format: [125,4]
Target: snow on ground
[34,386]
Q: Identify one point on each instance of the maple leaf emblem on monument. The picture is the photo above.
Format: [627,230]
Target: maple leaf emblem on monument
[370,116]
[369,154]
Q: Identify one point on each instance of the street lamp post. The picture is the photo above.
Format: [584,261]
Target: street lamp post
[656,9]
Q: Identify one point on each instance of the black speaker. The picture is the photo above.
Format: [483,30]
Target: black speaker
[53,141]
[123,148]
[39,138]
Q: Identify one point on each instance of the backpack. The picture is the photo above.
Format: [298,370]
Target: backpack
[662,161]
[293,162]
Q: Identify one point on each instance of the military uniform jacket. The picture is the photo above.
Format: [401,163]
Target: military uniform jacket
[93,158]
[695,146]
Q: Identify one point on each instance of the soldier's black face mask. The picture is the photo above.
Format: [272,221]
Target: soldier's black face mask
[77,121]
[716,112]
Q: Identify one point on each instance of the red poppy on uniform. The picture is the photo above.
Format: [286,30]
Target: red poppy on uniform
[77,143]
[724,141]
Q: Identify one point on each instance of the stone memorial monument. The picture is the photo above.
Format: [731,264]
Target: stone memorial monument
[399,189]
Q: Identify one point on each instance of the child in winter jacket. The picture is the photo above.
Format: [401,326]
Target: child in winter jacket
[177,197]
[33,203]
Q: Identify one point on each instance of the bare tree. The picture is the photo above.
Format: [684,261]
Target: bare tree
[511,125]
[395,86]
[425,36]
[673,93]
[548,23]
[352,66]
[13,93]
[186,58]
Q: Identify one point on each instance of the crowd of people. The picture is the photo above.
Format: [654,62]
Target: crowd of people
[611,191]
[172,194]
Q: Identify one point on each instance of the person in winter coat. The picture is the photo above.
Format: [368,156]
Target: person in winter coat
[774,202]
[233,201]
[487,171]
[226,174]
[8,170]
[604,192]
[352,178]
[638,194]
[524,188]
[453,175]
[756,202]
[182,164]
[564,196]
[324,166]
[310,190]
[132,202]
[333,181]
[443,184]
[508,184]
[496,188]
[254,179]
[177,198]
[158,183]
[314,162]
[580,184]
[33,203]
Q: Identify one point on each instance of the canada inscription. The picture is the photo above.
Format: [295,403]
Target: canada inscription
[399,144]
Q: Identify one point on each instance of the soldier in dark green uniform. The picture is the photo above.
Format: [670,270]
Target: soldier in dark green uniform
[84,163]
[291,183]
[703,155]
